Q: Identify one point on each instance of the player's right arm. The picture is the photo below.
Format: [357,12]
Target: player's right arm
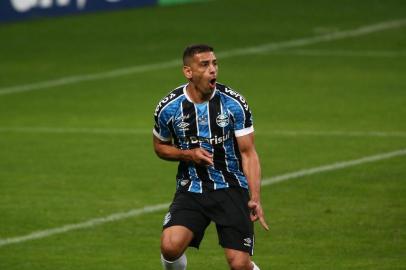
[167,151]
[162,137]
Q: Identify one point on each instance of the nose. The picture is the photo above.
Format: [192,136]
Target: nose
[212,69]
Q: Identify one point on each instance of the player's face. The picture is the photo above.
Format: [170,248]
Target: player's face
[203,72]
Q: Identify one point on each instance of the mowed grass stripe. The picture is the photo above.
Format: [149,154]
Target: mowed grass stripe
[159,207]
[268,47]
[141,131]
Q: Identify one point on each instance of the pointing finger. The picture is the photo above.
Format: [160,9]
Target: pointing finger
[263,223]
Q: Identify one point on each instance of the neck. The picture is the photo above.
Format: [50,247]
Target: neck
[197,95]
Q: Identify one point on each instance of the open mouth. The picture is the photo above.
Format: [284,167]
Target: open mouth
[212,83]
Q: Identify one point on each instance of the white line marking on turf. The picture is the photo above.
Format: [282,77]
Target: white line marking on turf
[350,53]
[141,131]
[88,77]
[83,225]
[108,131]
[159,207]
[334,133]
[333,167]
[363,30]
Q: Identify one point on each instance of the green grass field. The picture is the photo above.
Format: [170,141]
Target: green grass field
[82,150]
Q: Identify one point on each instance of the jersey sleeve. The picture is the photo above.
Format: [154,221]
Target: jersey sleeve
[161,128]
[242,116]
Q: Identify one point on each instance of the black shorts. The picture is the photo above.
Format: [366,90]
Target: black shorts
[227,208]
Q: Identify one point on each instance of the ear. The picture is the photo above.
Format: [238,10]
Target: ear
[187,71]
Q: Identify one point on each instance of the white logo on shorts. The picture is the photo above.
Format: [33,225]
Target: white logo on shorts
[167,218]
[247,242]
[184,182]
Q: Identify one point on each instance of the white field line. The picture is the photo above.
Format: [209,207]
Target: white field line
[363,30]
[141,131]
[333,167]
[332,133]
[160,207]
[66,130]
[349,53]
[83,225]
[88,77]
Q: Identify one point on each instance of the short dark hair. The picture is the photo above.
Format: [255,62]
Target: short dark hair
[191,50]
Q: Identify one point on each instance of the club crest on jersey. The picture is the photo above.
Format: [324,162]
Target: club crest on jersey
[222,120]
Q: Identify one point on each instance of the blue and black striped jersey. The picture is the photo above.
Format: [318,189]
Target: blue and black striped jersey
[212,125]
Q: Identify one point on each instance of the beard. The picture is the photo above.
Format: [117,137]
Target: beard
[206,86]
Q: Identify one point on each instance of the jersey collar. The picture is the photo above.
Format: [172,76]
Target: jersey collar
[190,100]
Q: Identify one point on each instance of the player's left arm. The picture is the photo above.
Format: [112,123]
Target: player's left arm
[252,170]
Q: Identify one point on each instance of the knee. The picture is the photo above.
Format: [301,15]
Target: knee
[171,248]
[238,263]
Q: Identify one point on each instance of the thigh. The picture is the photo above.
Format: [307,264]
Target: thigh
[185,213]
[176,237]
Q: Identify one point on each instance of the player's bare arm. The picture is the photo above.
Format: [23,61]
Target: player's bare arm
[252,171]
[167,151]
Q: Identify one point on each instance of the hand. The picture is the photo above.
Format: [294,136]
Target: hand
[257,213]
[201,156]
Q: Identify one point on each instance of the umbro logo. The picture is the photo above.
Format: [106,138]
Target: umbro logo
[247,242]
[184,182]
[167,218]
[183,125]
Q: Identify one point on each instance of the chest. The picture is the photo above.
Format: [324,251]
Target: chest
[207,120]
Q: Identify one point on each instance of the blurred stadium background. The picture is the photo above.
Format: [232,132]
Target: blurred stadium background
[80,187]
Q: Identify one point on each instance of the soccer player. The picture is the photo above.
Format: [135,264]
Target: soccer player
[208,128]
